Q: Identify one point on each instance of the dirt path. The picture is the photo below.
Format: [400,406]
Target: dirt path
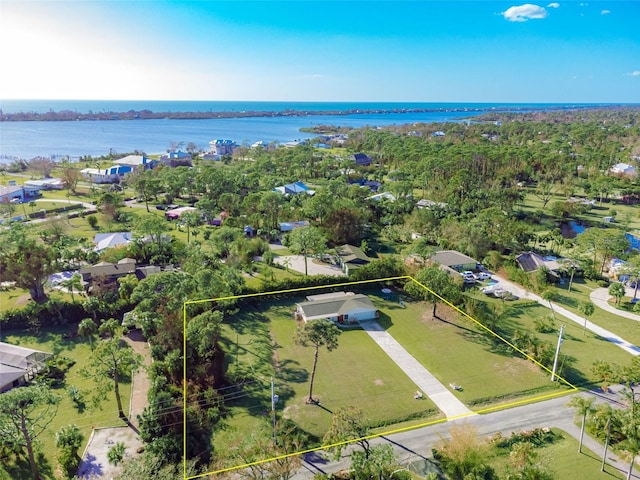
[140,383]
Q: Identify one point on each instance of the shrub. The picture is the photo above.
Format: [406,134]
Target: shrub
[545,324]
[93,221]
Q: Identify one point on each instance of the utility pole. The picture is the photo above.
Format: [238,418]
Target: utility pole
[274,399]
[555,360]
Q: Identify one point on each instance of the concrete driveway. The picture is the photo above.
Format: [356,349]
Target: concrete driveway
[296,263]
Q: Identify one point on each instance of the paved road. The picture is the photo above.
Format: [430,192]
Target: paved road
[296,262]
[416,444]
[606,334]
[444,399]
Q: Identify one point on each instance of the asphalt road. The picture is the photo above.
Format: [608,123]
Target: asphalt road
[414,445]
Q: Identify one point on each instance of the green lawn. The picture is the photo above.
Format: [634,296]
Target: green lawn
[564,461]
[53,340]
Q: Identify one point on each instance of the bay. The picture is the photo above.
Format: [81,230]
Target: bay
[55,139]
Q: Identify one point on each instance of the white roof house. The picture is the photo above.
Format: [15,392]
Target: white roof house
[110,240]
[623,169]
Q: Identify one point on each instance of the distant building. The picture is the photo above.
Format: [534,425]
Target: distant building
[351,258]
[219,148]
[45,184]
[623,169]
[288,226]
[176,159]
[362,159]
[176,213]
[453,261]
[106,175]
[136,162]
[111,240]
[294,189]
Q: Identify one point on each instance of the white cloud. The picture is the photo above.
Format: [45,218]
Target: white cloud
[635,73]
[522,13]
[605,12]
[553,5]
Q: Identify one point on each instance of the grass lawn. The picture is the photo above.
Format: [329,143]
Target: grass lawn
[52,340]
[564,461]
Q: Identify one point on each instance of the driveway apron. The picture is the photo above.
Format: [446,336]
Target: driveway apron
[444,399]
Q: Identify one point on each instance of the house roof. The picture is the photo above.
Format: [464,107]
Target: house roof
[132,160]
[334,306]
[109,240]
[351,254]
[294,189]
[20,357]
[378,196]
[450,258]
[531,261]
[362,159]
[109,269]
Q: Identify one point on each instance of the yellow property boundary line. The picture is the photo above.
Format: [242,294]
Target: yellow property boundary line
[368,437]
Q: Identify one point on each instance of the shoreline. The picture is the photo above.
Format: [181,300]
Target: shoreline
[69,115]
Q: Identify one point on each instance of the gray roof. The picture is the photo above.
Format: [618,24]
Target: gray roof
[20,357]
[334,306]
[450,258]
[109,269]
[351,254]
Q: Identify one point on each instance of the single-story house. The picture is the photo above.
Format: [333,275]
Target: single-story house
[45,184]
[176,213]
[623,169]
[136,162]
[362,159]
[429,204]
[112,174]
[108,271]
[531,261]
[351,258]
[455,261]
[340,307]
[294,189]
[176,159]
[379,196]
[18,193]
[110,240]
[19,364]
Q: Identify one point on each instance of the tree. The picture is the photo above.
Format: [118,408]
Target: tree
[348,423]
[26,412]
[190,220]
[70,176]
[463,455]
[618,291]
[602,243]
[109,203]
[108,363]
[73,284]
[26,261]
[68,440]
[379,464]
[525,465]
[432,285]
[305,241]
[317,333]
[587,309]
[584,406]
[550,295]
[115,454]
[88,328]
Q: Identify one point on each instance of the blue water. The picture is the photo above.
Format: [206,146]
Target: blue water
[56,139]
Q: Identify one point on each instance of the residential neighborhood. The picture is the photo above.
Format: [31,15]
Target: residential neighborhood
[360,282]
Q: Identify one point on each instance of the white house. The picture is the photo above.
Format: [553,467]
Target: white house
[19,364]
[219,147]
[136,162]
[339,307]
[623,169]
[112,174]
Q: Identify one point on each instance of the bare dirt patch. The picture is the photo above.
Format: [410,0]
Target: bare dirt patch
[378,382]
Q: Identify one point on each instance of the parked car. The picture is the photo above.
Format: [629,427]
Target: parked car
[161,207]
[483,276]
[16,200]
[468,277]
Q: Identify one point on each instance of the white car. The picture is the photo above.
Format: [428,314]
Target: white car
[483,276]
[468,277]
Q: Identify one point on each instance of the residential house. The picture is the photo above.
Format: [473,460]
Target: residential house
[45,184]
[110,240]
[339,307]
[294,189]
[219,148]
[351,258]
[362,159]
[531,261]
[110,272]
[623,169]
[111,174]
[136,162]
[18,365]
[379,196]
[176,213]
[429,204]
[455,262]
[12,193]
[176,159]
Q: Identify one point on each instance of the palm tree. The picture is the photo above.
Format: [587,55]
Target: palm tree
[549,295]
[586,308]
[584,406]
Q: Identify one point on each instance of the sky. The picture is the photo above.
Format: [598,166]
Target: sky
[413,51]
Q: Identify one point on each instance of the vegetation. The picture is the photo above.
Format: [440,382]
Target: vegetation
[492,189]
